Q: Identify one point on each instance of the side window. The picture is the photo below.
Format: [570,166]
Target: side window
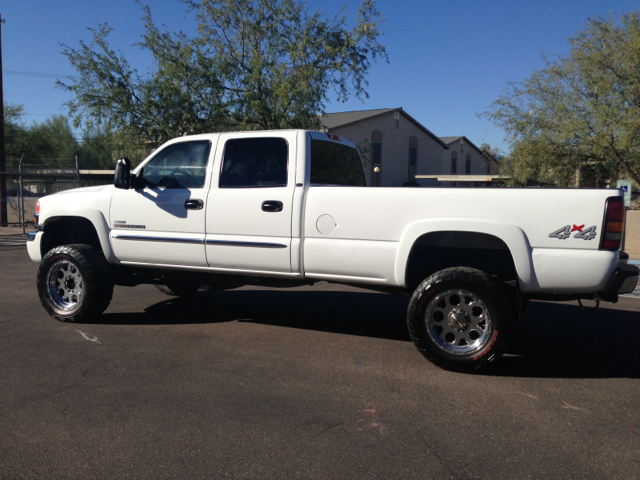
[181,165]
[255,162]
[336,164]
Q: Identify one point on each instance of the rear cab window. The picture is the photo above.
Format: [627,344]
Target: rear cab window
[335,163]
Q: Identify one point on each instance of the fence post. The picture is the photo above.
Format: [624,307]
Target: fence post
[18,195]
[21,197]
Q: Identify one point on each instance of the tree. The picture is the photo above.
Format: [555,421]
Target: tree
[102,145]
[14,131]
[253,64]
[581,113]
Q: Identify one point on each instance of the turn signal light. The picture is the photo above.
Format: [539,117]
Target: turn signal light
[36,215]
[613,224]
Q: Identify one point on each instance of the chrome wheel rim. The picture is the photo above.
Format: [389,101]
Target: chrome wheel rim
[65,285]
[458,322]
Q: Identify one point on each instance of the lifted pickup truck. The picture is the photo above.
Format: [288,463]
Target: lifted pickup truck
[286,208]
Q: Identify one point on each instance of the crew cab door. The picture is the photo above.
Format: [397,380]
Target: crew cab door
[163,222]
[249,207]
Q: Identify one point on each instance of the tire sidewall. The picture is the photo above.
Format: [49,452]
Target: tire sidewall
[491,294]
[75,255]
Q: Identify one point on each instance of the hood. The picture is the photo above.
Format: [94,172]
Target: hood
[83,190]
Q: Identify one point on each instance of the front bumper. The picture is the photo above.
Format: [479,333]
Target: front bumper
[33,246]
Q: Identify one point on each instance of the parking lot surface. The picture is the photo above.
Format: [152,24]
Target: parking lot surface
[314,382]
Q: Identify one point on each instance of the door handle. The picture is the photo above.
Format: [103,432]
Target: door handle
[193,204]
[272,206]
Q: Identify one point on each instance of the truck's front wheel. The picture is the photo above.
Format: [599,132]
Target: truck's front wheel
[74,283]
[461,319]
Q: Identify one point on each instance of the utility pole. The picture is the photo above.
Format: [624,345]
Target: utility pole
[3,161]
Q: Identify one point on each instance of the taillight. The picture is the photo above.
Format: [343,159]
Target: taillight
[613,224]
[36,214]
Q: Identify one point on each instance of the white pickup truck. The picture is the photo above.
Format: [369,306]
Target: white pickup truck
[291,207]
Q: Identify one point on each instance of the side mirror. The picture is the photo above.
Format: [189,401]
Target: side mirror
[122,177]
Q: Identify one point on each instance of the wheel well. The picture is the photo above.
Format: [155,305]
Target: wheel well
[67,230]
[436,251]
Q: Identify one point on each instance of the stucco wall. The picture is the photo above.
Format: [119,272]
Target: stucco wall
[632,241]
[395,148]
[478,162]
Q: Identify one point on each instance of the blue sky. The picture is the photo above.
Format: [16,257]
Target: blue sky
[448,60]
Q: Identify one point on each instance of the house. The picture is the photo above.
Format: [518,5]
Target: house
[394,146]
[464,158]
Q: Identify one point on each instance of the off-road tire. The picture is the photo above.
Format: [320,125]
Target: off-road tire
[74,283]
[177,289]
[461,319]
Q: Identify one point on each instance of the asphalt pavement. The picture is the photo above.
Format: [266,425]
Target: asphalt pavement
[305,383]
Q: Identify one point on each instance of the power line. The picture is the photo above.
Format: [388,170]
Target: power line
[24,73]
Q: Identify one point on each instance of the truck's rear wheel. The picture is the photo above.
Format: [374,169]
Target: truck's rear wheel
[74,283]
[177,290]
[461,319]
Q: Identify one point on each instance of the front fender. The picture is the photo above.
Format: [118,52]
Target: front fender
[95,216]
[510,234]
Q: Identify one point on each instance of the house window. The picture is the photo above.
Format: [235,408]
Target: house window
[467,164]
[413,152]
[413,158]
[376,158]
[454,163]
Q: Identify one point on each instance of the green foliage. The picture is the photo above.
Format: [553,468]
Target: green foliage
[53,143]
[581,113]
[14,131]
[48,143]
[102,145]
[253,64]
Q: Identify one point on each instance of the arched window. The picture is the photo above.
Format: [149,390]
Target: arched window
[376,158]
[413,158]
[467,164]
[454,163]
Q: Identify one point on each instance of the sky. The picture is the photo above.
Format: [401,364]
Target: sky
[448,60]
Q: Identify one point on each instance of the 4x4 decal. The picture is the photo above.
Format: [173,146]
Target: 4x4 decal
[583,233]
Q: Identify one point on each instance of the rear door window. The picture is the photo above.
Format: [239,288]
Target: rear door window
[255,163]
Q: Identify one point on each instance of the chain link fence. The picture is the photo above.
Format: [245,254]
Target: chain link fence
[29,182]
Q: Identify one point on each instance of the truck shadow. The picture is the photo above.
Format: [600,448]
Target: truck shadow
[563,341]
[553,340]
[350,313]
